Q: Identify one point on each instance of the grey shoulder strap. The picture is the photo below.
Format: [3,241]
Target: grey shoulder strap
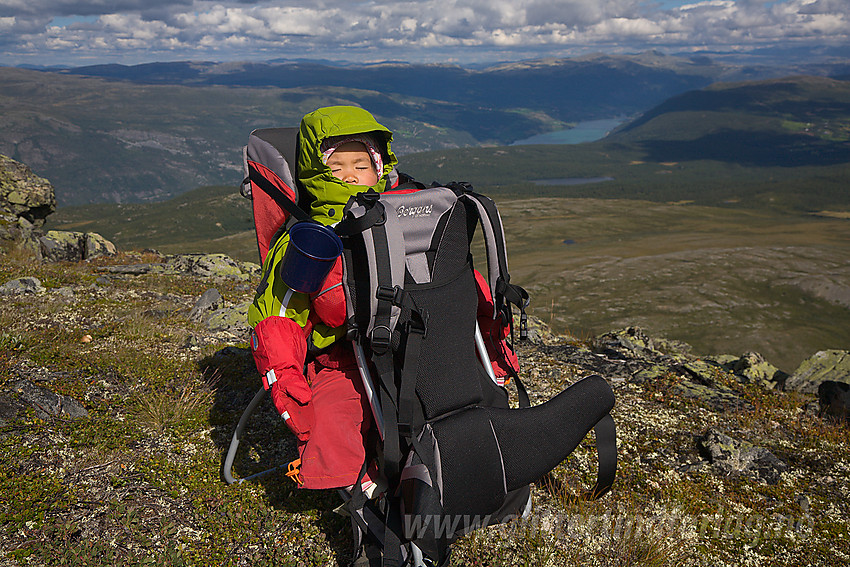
[383,242]
[494,241]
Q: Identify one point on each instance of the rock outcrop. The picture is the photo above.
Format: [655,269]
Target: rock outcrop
[25,202]
[211,310]
[22,286]
[207,303]
[833,365]
[24,195]
[735,457]
[834,400]
[644,360]
[201,265]
[68,246]
[22,394]
[754,369]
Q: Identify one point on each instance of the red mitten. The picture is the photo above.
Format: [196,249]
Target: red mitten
[291,397]
[279,350]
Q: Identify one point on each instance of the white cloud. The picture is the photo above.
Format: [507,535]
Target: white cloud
[628,27]
[300,22]
[136,30]
[7,23]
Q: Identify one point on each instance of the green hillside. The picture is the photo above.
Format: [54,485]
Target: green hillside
[726,243]
[112,141]
[790,122]
[781,143]
[208,219]
[102,140]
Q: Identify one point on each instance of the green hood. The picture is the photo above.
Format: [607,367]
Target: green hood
[329,193]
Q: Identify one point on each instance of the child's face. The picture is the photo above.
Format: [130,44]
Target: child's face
[352,163]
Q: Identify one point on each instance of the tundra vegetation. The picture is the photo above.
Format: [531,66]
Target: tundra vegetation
[119,397]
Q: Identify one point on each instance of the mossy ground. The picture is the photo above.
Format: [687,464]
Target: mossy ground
[138,481]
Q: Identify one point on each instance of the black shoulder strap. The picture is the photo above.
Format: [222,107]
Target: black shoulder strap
[407,182]
[606,449]
[275,193]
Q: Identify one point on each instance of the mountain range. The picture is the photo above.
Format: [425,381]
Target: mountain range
[781,143]
[149,132]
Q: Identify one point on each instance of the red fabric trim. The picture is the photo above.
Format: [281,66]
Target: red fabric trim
[493,332]
[329,303]
[268,215]
[402,191]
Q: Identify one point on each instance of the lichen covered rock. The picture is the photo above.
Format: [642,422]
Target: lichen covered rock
[96,246]
[233,320]
[24,194]
[209,301]
[69,246]
[732,456]
[22,286]
[825,365]
[754,369]
[212,265]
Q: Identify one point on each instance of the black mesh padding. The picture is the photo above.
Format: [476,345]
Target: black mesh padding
[434,244]
[534,440]
[452,246]
[494,395]
[471,465]
[447,376]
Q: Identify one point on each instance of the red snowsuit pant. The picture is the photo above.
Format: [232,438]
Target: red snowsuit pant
[333,456]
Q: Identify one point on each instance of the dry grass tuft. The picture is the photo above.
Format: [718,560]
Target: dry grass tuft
[169,407]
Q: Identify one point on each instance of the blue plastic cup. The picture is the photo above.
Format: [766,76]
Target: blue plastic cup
[312,252]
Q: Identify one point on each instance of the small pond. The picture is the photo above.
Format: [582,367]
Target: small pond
[571,180]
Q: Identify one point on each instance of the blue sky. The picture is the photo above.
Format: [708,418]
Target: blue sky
[82,32]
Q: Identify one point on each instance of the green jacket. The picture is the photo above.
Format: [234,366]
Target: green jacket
[330,193]
[329,196]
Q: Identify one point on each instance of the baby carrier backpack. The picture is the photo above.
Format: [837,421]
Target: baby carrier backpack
[455,455]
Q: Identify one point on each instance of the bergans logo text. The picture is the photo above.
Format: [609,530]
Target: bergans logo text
[422,211]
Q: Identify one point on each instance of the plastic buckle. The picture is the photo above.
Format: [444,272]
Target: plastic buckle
[380,339]
[385,293]
[294,472]
[523,326]
[367,197]
[460,187]
[370,200]
[391,294]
